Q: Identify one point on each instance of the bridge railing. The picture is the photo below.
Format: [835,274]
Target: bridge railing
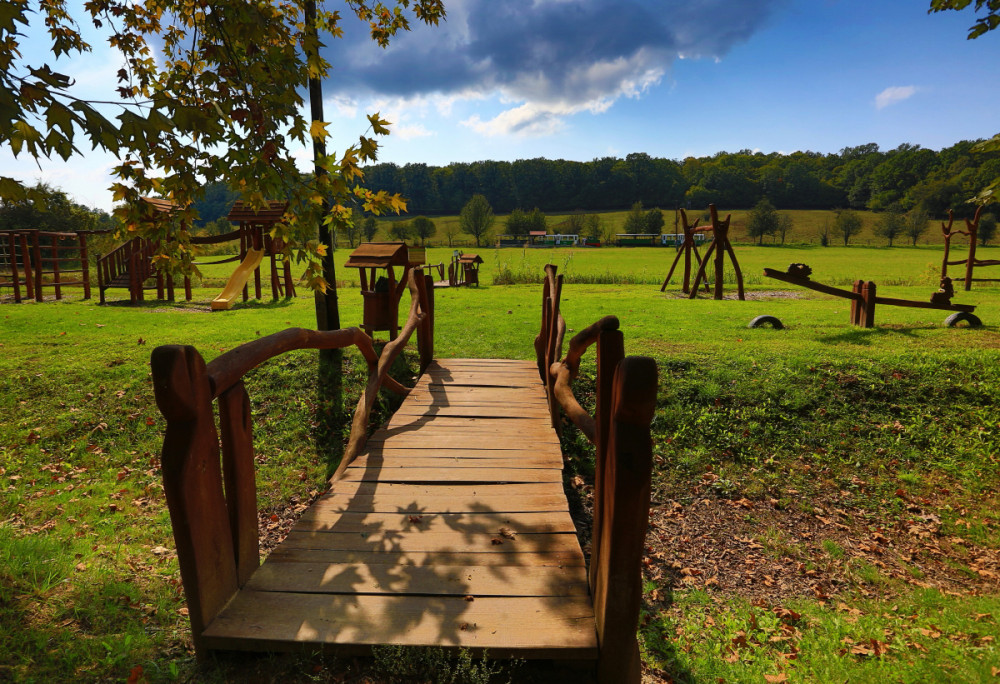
[626,401]
[213,505]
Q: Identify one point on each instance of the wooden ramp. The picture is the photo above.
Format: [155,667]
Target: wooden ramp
[451,529]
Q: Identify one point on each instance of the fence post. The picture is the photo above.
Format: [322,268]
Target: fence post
[624,495]
[610,352]
[868,305]
[238,473]
[192,483]
[425,333]
[37,252]
[84,264]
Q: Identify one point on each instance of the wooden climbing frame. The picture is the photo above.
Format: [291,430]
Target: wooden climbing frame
[971,262]
[686,249]
[720,242]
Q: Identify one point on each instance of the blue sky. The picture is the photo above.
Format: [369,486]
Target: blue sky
[579,79]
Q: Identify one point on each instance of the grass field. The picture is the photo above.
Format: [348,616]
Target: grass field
[825,497]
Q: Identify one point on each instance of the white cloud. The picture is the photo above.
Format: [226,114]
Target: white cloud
[894,94]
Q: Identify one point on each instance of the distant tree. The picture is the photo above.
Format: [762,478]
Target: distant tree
[824,232]
[575,224]
[987,228]
[785,225]
[847,223]
[762,220]
[219,226]
[369,228]
[451,231]
[635,220]
[400,230]
[593,227]
[654,221]
[352,230]
[51,210]
[476,218]
[916,224]
[424,228]
[891,224]
[537,221]
[517,223]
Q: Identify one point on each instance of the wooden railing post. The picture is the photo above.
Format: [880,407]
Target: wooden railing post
[85,264]
[238,474]
[425,333]
[868,292]
[610,352]
[624,494]
[192,483]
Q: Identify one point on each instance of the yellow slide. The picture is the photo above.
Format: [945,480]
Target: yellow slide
[238,279]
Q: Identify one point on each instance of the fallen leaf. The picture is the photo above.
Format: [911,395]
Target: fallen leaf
[470,598]
[776,679]
[507,533]
[415,519]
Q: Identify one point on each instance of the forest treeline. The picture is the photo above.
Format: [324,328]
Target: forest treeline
[862,177]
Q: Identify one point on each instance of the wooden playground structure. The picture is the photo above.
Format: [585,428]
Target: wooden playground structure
[720,246]
[448,527]
[971,262]
[130,265]
[864,296]
[687,249]
[32,260]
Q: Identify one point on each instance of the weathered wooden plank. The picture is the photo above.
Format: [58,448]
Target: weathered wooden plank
[433,580]
[477,410]
[459,492]
[509,456]
[396,541]
[487,522]
[452,440]
[439,474]
[443,459]
[388,503]
[534,626]
[573,557]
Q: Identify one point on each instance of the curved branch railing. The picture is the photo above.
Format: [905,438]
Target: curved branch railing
[623,461]
[215,527]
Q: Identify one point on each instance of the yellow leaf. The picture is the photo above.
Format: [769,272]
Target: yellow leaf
[318,129]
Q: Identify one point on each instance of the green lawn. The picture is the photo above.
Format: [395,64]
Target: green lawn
[891,433]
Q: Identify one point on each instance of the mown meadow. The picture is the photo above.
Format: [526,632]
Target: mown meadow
[825,498]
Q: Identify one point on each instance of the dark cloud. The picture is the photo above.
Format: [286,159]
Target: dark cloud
[558,56]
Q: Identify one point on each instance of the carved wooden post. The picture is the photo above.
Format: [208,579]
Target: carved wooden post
[856,303]
[610,352]
[192,483]
[868,305]
[29,279]
[972,228]
[624,495]
[240,478]
[37,252]
[15,277]
[425,333]
[84,264]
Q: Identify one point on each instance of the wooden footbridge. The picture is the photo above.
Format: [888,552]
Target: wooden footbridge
[448,526]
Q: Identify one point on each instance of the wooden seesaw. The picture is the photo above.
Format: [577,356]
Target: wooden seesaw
[864,298]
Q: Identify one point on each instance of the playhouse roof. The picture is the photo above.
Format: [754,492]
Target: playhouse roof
[242,213]
[160,205]
[470,259]
[378,255]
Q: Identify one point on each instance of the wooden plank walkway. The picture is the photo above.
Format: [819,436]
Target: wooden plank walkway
[451,529]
